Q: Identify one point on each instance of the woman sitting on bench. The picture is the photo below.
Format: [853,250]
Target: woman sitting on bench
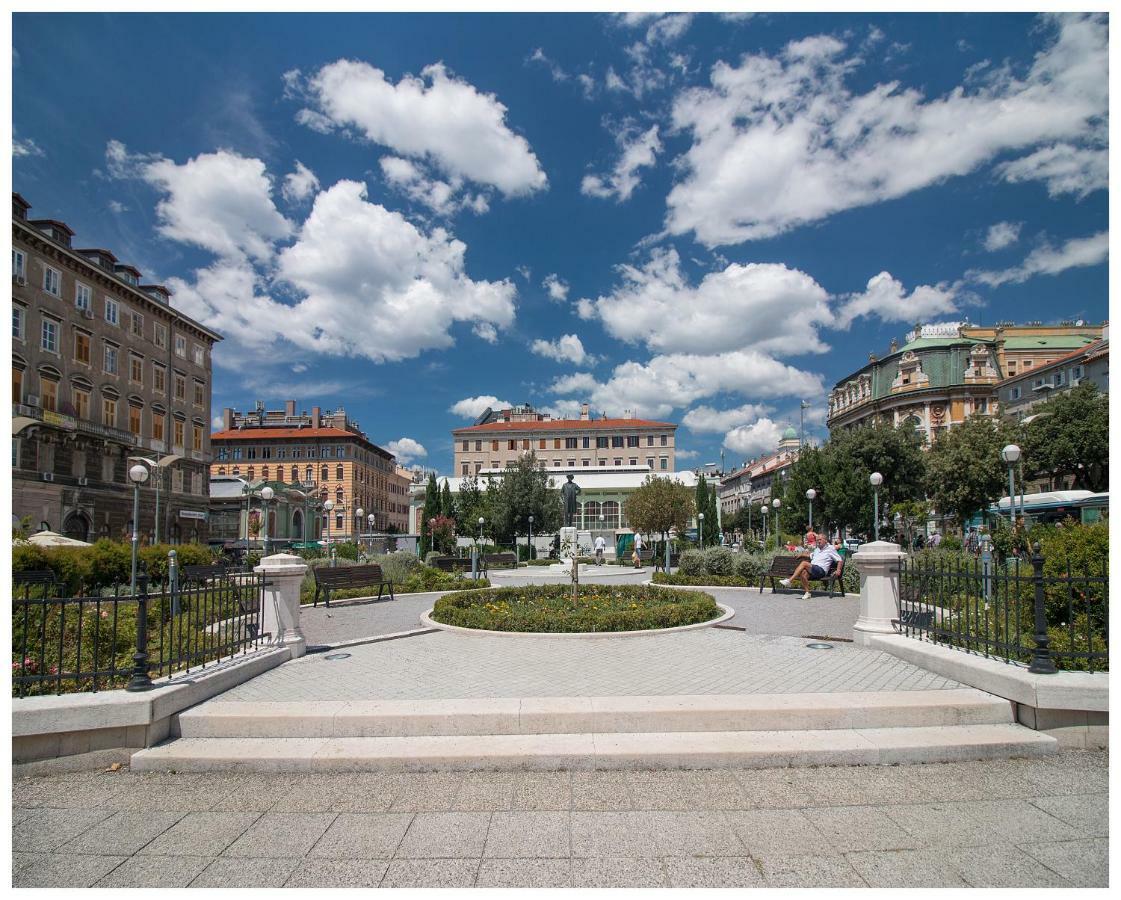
[824,560]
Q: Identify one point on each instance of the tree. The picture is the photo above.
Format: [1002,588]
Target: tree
[965,471]
[443,534]
[470,504]
[660,505]
[808,471]
[430,511]
[703,504]
[525,491]
[1069,437]
[713,514]
[911,513]
[447,504]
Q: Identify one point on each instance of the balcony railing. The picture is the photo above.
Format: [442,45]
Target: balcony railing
[71,423]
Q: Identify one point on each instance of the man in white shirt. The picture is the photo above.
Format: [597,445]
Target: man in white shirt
[823,562]
[601,545]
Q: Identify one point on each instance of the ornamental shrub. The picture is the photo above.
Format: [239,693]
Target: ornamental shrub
[692,562]
[431,555]
[719,561]
[348,550]
[750,566]
[398,566]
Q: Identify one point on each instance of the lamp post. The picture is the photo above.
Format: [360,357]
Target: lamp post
[810,494]
[358,514]
[776,503]
[371,518]
[765,511]
[137,475]
[531,537]
[701,529]
[1011,455]
[156,467]
[266,495]
[876,479]
[329,505]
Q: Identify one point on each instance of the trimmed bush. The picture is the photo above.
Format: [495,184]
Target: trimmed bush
[692,562]
[596,608]
[719,561]
[751,566]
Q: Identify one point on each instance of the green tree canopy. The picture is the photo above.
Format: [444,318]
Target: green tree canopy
[808,471]
[965,471]
[447,504]
[470,504]
[660,505]
[524,491]
[430,511]
[1069,436]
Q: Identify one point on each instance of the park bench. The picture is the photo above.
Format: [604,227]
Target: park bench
[345,577]
[203,573]
[645,556]
[660,561]
[44,577]
[499,561]
[452,563]
[784,566]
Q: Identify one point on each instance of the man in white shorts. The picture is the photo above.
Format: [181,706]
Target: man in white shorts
[824,560]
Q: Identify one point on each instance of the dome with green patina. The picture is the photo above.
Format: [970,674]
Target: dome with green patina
[790,434]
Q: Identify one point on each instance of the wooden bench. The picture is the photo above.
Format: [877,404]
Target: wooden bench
[203,573]
[499,561]
[345,577]
[31,577]
[784,566]
[452,563]
[645,557]
[660,561]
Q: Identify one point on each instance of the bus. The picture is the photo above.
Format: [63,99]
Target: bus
[1056,506]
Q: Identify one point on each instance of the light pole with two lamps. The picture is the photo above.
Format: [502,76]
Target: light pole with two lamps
[876,479]
[137,475]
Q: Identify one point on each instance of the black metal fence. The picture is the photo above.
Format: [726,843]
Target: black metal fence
[112,638]
[1044,613]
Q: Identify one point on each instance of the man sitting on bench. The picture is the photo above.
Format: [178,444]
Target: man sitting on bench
[824,560]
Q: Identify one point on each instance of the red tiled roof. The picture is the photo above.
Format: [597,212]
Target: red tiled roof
[564,424]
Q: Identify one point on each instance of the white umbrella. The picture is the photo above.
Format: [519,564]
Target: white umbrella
[54,539]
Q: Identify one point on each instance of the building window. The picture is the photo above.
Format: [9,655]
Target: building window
[112,311]
[618,461]
[650,462]
[159,379]
[663,462]
[49,337]
[511,445]
[249,472]
[250,452]
[109,412]
[1015,393]
[632,440]
[478,446]
[157,426]
[570,443]
[464,470]
[1028,363]
[83,297]
[177,431]
[663,440]
[137,324]
[196,439]
[585,463]
[465,445]
[601,443]
[19,322]
[134,420]
[572,463]
[19,264]
[617,441]
[159,335]
[556,443]
[494,445]
[633,461]
[541,444]
[181,346]
[601,462]
[200,394]
[338,473]
[81,403]
[110,359]
[198,355]
[324,473]
[49,394]
[649,440]
[52,281]
[136,369]
[295,474]
[308,473]
[180,387]
[81,347]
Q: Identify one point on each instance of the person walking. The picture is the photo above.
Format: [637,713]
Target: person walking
[600,545]
[636,556]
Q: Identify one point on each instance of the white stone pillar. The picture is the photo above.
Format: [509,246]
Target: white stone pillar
[878,563]
[280,613]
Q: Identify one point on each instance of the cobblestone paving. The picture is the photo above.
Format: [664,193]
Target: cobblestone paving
[1005,823]
[764,613]
[444,665]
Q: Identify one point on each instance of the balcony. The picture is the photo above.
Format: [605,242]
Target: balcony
[70,423]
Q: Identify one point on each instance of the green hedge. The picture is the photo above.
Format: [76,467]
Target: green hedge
[87,570]
[596,608]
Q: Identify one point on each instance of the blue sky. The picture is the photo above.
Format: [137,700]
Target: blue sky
[700,218]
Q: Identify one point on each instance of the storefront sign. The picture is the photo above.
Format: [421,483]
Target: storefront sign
[192,514]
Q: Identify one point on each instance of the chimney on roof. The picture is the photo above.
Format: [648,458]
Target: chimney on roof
[315,417]
[227,419]
[584,412]
[290,408]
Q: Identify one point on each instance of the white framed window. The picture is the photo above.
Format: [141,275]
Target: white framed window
[52,281]
[199,355]
[137,324]
[49,335]
[83,298]
[112,311]
[180,346]
[159,335]
[19,323]
[19,264]
[1077,373]
[110,359]
[1015,393]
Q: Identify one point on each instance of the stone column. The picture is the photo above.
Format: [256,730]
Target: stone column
[280,612]
[878,563]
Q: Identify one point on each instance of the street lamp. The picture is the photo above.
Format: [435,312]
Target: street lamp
[156,467]
[480,540]
[329,505]
[137,475]
[876,479]
[267,494]
[358,514]
[531,537]
[1011,455]
[371,519]
[701,530]
[765,511]
[776,503]
[810,494]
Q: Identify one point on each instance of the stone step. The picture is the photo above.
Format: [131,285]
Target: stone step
[588,715]
[635,750]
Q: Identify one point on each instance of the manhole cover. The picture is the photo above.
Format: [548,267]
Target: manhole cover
[811,646]
[337,656]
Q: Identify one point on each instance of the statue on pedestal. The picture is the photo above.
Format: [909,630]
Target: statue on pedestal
[569,491]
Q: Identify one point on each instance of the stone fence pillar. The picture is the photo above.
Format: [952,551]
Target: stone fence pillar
[280,613]
[878,563]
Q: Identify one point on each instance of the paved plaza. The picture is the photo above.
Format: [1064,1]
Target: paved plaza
[1006,823]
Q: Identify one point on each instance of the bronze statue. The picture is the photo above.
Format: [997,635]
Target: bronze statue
[569,490]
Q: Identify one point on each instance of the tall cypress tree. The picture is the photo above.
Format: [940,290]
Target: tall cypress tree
[447,504]
[701,500]
[712,515]
[430,511]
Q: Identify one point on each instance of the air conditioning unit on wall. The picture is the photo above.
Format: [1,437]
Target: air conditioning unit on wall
[32,399]
[20,280]
[83,482]
[48,476]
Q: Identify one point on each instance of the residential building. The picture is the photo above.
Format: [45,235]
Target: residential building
[946,372]
[755,481]
[1020,394]
[499,438]
[322,452]
[103,369]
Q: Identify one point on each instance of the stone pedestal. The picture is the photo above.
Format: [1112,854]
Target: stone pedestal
[878,563]
[280,612]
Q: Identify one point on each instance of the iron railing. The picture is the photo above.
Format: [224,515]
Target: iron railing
[1049,616]
[109,638]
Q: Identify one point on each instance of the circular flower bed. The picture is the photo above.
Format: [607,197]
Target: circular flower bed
[597,608]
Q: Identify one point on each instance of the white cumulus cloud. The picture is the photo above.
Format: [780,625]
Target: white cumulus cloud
[473,407]
[300,184]
[1051,260]
[435,117]
[1001,235]
[760,437]
[556,286]
[705,418]
[638,150]
[1064,168]
[406,450]
[780,141]
[887,298]
[567,348]
[442,197]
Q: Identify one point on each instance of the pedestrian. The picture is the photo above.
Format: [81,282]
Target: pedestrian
[601,544]
[935,540]
[636,557]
